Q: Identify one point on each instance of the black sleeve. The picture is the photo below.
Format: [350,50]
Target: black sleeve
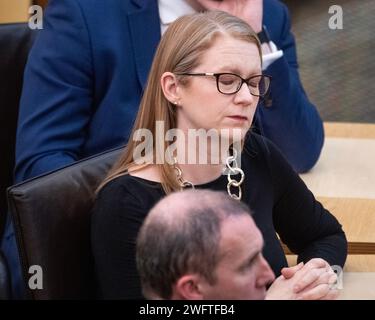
[301,221]
[116,219]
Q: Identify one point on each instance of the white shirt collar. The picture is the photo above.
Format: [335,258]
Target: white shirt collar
[170,10]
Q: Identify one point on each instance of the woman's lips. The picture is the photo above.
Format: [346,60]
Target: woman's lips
[238,118]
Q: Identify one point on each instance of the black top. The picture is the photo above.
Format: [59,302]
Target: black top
[279,199]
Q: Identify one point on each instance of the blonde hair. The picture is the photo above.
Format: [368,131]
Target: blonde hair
[179,50]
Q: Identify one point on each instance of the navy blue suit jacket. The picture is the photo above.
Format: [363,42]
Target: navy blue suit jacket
[89,65]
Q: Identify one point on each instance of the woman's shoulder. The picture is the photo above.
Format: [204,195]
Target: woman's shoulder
[119,197]
[117,188]
[121,182]
[128,187]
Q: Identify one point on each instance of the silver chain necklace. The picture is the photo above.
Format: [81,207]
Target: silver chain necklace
[231,166]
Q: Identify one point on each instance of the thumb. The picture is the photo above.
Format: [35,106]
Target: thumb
[291,271]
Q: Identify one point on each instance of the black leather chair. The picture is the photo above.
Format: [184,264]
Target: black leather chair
[51,215]
[15,42]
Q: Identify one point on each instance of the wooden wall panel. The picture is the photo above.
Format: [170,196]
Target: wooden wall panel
[14,11]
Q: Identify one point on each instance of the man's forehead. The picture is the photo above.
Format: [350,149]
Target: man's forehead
[240,232]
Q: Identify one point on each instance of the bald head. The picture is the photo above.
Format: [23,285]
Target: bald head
[179,206]
[182,234]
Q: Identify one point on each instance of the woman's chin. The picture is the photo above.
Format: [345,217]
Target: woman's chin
[235,133]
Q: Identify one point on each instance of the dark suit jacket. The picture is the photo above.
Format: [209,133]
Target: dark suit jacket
[89,65]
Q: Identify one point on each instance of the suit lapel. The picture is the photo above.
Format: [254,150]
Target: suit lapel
[145,33]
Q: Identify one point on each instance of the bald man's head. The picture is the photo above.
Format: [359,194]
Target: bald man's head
[177,207]
[182,234]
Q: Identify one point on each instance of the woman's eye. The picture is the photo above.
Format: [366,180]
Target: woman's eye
[227,80]
[254,84]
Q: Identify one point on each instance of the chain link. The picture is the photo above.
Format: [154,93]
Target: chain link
[234,170]
[183,183]
[231,164]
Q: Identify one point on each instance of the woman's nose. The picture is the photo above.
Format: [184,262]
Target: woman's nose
[244,96]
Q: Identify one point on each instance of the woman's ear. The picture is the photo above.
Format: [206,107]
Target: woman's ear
[169,85]
[187,288]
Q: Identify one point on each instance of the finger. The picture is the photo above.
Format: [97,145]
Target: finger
[317,263]
[291,271]
[308,277]
[333,278]
[328,277]
[316,293]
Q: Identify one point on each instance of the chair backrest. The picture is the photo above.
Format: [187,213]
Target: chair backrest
[15,42]
[51,215]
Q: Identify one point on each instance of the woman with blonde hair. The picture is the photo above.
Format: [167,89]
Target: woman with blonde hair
[206,78]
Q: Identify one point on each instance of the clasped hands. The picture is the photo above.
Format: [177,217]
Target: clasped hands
[311,281]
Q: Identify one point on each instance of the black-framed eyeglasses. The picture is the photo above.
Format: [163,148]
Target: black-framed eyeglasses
[231,83]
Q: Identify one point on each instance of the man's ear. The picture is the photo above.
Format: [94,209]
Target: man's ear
[188,288]
[169,85]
